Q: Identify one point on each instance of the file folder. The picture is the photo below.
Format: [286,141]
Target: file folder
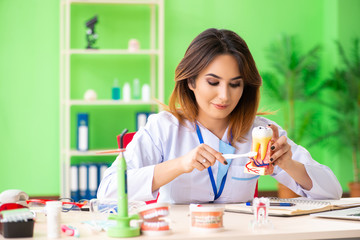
[141,119]
[83,181]
[74,182]
[92,180]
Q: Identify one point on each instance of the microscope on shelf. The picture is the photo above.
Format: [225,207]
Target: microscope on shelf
[91,36]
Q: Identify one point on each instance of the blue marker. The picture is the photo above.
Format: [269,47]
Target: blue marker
[273,204]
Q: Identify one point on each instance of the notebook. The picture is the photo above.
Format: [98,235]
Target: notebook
[349,213]
[302,206]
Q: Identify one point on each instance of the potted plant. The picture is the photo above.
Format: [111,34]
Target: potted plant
[345,109]
[291,82]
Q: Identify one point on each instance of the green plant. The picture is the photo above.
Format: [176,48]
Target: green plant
[292,81]
[345,104]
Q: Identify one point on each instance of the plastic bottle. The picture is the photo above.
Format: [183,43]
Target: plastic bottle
[82,132]
[115,90]
[136,89]
[53,212]
[145,92]
[126,92]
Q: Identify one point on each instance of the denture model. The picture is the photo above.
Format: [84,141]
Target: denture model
[153,222]
[259,164]
[206,218]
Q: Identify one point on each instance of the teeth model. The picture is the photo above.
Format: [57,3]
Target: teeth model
[206,218]
[261,138]
[153,219]
[259,164]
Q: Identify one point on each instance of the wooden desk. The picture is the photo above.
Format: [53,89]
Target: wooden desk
[235,227]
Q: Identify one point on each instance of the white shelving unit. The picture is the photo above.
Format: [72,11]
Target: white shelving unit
[156,53]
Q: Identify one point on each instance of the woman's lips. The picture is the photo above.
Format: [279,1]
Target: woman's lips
[220,106]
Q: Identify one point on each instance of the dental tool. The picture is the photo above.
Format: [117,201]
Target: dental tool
[242,155]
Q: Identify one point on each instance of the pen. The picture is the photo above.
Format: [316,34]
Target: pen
[281,204]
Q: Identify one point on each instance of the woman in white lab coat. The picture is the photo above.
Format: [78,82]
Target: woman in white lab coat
[212,110]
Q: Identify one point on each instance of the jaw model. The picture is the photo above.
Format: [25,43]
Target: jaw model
[152,216]
[261,144]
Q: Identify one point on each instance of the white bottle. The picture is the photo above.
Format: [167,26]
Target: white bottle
[83,132]
[53,212]
[145,92]
[126,92]
[136,89]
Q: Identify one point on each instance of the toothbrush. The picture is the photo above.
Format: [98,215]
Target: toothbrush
[231,156]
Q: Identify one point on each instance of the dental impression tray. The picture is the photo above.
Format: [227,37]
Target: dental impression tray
[260,164]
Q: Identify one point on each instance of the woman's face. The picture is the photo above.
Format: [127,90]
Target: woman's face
[218,88]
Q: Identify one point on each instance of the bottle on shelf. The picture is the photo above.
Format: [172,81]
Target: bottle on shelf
[145,92]
[126,92]
[116,90]
[136,89]
[83,132]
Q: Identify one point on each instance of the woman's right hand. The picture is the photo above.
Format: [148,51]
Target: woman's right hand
[201,157]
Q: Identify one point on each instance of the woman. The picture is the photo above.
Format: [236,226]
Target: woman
[212,110]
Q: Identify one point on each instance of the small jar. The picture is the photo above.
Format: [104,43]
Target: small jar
[53,212]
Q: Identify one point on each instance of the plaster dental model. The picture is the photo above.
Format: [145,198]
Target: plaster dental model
[206,218]
[259,164]
[154,219]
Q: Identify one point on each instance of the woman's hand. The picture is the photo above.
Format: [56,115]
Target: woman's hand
[280,150]
[201,158]
[281,155]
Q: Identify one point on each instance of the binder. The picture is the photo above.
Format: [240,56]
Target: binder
[83,181]
[102,168]
[141,119]
[74,182]
[92,180]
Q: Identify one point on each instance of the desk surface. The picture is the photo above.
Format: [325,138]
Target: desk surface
[236,226]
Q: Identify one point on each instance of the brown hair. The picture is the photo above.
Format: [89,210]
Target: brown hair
[202,50]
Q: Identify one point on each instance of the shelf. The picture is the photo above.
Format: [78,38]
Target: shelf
[149,2]
[72,59]
[111,52]
[110,102]
[90,153]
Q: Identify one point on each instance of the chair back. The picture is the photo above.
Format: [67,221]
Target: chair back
[127,139]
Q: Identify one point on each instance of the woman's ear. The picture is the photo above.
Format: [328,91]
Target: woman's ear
[191,83]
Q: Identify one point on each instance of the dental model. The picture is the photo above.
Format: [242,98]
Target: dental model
[153,216]
[206,218]
[259,164]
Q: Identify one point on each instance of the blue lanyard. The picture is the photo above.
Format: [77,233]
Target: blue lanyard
[216,193]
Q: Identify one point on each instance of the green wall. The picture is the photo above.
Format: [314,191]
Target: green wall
[29,68]
[29,96]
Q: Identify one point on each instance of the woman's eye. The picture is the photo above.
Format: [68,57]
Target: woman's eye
[235,85]
[213,83]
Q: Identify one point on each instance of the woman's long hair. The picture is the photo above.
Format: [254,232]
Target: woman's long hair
[202,50]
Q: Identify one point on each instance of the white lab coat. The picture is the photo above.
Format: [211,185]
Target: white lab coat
[163,138]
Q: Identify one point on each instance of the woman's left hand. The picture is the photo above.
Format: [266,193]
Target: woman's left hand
[281,155]
[280,150]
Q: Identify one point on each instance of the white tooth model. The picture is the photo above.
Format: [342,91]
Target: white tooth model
[259,164]
[154,221]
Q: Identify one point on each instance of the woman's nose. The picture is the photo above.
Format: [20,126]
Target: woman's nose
[224,93]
